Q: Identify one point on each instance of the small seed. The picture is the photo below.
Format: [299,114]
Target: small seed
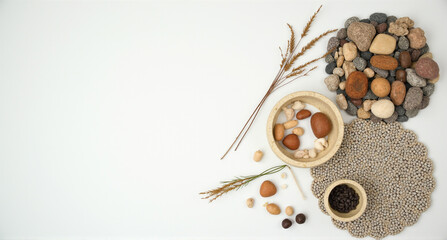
[290,124]
[284,175]
[258,156]
[298,131]
[289,210]
[250,202]
[284,186]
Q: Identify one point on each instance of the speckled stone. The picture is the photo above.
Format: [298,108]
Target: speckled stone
[359,63]
[402,118]
[378,17]
[391,119]
[329,58]
[400,110]
[366,55]
[365,20]
[333,43]
[352,109]
[429,89]
[330,67]
[413,79]
[396,55]
[393,73]
[342,33]
[341,101]
[425,102]
[425,49]
[351,20]
[403,43]
[381,72]
[412,113]
[413,98]
[391,19]
[332,82]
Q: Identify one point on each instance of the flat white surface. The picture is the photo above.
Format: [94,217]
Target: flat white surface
[113,116]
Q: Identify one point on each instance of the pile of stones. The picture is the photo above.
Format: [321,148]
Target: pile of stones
[381,68]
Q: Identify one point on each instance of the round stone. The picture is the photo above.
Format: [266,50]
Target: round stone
[349,51]
[417,38]
[342,33]
[402,118]
[381,28]
[413,98]
[378,17]
[359,63]
[383,108]
[370,96]
[329,58]
[361,34]
[425,102]
[429,89]
[366,55]
[401,75]
[351,109]
[400,110]
[415,55]
[412,113]
[330,67]
[383,44]
[403,43]
[391,19]
[398,92]
[405,59]
[427,68]
[351,20]
[332,82]
[361,113]
[380,87]
[384,62]
[333,43]
[341,101]
[415,80]
[391,119]
[356,85]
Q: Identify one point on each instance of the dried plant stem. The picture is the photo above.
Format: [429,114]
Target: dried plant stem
[288,59]
[238,183]
[296,182]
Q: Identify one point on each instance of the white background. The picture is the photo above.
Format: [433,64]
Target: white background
[113,116]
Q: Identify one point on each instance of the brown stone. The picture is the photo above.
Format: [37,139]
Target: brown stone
[361,34]
[381,28]
[356,85]
[405,59]
[415,55]
[357,102]
[398,92]
[427,68]
[342,42]
[384,62]
[417,38]
[321,124]
[380,87]
[303,114]
[363,114]
[401,75]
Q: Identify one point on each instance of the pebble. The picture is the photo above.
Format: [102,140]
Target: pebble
[370,96]
[356,85]
[398,92]
[427,68]
[391,19]
[349,51]
[367,104]
[425,49]
[405,59]
[374,118]
[429,89]
[365,20]
[338,71]
[417,38]
[363,114]
[359,63]
[414,80]
[348,67]
[351,20]
[401,75]
[384,62]
[342,33]
[342,85]
[396,55]
[286,223]
[426,55]
[415,55]
[391,119]
[383,44]
[413,98]
[329,58]
[368,72]
[435,80]
[383,108]
[425,102]
[381,28]
[403,43]
[351,109]
[357,102]
[380,87]
[332,82]
[381,72]
[412,113]
[361,34]
[366,55]
[378,17]
[341,101]
[343,42]
[391,79]
[393,73]
[333,43]
[402,118]
[400,110]
[330,67]
[340,61]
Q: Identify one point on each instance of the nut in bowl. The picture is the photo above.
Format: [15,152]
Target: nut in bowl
[345,200]
[327,126]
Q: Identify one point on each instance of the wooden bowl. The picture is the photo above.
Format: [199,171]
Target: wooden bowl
[325,106]
[352,215]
